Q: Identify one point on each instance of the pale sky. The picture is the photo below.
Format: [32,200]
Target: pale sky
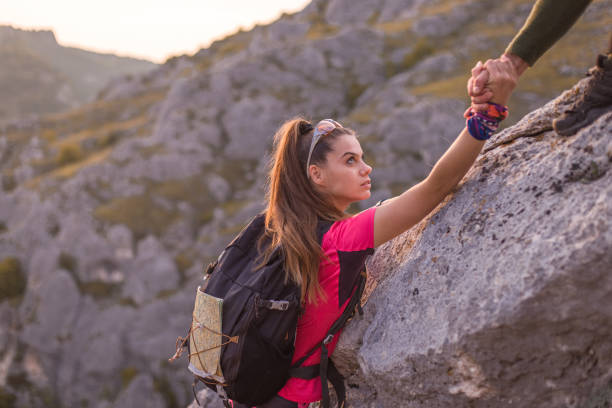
[151,29]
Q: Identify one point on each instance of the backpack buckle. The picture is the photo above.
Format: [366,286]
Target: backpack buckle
[281,305]
[328,339]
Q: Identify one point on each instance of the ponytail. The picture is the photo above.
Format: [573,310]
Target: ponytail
[294,206]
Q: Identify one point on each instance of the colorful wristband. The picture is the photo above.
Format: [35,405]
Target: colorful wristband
[481,125]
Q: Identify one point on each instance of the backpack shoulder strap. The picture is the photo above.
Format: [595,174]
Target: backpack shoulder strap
[322,227]
[326,369]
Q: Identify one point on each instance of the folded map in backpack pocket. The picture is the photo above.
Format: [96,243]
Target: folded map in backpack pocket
[206,338]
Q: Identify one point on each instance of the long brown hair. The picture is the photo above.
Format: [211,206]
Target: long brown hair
[294,205]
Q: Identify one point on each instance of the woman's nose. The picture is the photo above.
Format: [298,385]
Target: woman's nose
[366,169]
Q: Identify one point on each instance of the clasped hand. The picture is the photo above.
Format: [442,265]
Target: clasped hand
[492,81]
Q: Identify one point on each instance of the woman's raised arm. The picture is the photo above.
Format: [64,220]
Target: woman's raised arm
[404,211]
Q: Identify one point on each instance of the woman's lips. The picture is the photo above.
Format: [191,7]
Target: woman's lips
[366,183]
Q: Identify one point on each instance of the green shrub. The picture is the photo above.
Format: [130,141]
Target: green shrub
[12,279]
[183,262]
[69,153]
[98,289]
[163,387]
[233,206]
[8,180]
[320,30]
[138,213]
[67,262]
[127,375]
[353,92]
[109,139]
[422,49]
[7,400]
[205,216]
[231,230]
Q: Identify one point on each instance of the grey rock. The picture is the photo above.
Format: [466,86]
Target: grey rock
[502,295]
[187,124]
[151,272]
[23,173]
[250,124]
[218,187]
[97,352]
[287,30]
[153,334]
[414,129]
[308,61]
[49,310]
[433,67]
[357,49]
[28,219]
[400,9]
[6,313]
[350,12]
[127,187]
[220,90]
[120,238]
[41,264]
[208,399]
[79,239]
[169,166]
[178,235]
[121,87]
[266,74]
[441,25]
[8,340]
[158,79]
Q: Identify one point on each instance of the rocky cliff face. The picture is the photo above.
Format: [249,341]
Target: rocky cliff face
[503,296]
[109,212]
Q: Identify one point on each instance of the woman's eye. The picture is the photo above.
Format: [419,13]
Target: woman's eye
[351,160]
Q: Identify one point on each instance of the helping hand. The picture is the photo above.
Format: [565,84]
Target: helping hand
[481,87]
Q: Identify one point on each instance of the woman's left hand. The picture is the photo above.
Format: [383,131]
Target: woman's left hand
[476,87]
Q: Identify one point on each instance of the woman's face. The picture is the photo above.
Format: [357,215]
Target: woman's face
[345,176]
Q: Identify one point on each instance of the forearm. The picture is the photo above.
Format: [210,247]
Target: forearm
[548,21]
[520,65]
[455,162]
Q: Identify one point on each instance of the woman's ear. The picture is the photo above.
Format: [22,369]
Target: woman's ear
[316,175]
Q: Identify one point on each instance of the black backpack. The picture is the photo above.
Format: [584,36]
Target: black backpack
[260,314]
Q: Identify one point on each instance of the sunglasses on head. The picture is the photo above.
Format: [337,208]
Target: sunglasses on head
[323,128]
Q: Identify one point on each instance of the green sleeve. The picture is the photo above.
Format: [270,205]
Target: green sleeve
[548,21]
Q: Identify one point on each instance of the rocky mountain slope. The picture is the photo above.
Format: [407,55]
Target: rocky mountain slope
[39,76]
[108,212]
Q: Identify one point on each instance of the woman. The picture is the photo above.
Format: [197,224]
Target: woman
[316,174]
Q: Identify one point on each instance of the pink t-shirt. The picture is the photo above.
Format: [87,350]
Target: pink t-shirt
[347,243]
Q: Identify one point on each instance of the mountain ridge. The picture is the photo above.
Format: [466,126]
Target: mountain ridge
[41,76]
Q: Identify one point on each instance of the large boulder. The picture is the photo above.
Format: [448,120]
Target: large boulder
[503,295]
